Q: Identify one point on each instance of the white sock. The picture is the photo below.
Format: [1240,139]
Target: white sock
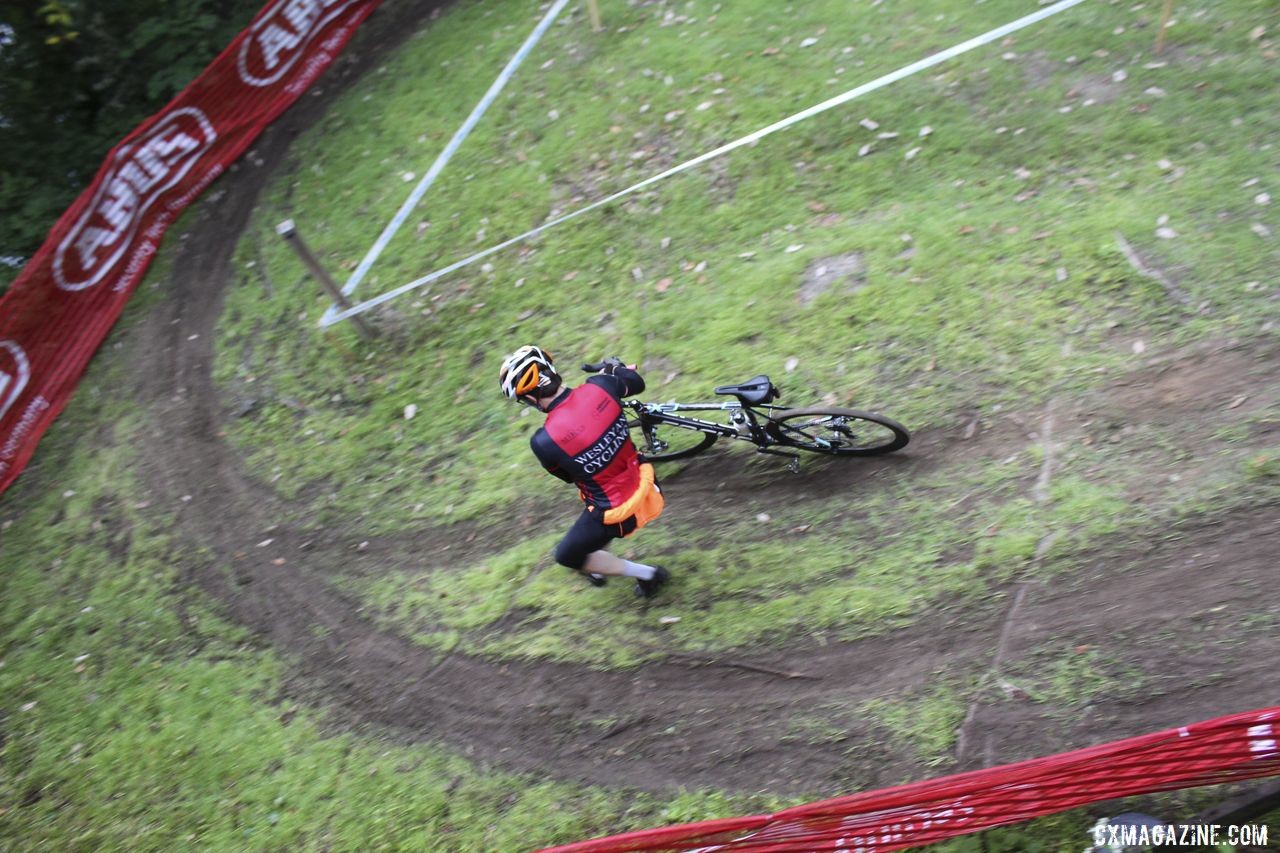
[637,570]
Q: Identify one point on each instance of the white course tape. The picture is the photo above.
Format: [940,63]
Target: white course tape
[438,166]
[879,83]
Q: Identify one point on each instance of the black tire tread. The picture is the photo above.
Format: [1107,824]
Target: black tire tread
[900,440]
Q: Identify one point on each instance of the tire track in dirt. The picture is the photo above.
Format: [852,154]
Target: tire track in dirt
[1180,611]
[663,725]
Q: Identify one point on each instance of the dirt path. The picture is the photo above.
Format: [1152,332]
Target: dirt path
[673,723]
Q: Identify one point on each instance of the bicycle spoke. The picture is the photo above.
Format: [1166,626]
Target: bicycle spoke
[659,442]
[839,431]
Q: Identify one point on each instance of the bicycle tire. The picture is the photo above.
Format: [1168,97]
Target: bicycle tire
[648,453]
[828,430]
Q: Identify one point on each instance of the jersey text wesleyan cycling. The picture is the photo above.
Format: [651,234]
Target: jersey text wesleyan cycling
[585,439]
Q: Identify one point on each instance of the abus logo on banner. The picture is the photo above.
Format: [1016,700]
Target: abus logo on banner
[142,171]
[281,36]
[15,372]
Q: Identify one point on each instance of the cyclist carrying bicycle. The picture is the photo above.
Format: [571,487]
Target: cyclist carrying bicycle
[585,442]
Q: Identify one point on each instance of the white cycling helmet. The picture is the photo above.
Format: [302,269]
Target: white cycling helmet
[529,371]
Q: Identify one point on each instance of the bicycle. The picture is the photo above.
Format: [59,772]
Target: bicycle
[826,430]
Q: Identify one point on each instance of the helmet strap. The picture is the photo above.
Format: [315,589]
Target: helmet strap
[551,389]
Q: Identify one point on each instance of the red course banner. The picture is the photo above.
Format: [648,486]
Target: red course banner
[1228,749]
[69,295]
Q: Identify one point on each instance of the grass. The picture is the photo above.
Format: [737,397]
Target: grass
[928,720]
[1069,678]
[1265,465]
[136,717]
[752,581]
[993,281]
[978,300]
[760,582]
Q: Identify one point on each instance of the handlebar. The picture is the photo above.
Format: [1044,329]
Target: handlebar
[603,364]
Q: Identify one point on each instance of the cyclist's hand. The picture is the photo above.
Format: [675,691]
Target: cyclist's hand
[607,365]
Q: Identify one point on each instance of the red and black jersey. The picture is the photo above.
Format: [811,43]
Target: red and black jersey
[585,439]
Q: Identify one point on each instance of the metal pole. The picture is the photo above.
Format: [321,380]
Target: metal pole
[289,232]
[879,83]
[593,8]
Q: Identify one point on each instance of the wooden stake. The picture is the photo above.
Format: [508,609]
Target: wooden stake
[593,9]
[289,232]
[1164,24]
[739,664]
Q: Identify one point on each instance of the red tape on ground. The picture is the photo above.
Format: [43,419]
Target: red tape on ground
[1228,749]
[69,295]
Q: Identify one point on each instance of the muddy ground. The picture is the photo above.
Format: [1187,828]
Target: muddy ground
[705,722]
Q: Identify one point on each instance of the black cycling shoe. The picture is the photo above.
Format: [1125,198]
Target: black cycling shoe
[595,580]
[649,588]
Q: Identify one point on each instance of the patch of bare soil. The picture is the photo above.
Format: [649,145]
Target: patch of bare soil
[683,721]
[849,271]
[1190,611]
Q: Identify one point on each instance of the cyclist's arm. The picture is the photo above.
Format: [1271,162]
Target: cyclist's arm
[623,381]
[546,451]
[633,380]
[557,472]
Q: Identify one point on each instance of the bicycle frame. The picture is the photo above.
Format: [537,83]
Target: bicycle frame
[666,414]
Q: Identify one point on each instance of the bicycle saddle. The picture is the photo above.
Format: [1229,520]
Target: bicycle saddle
[753,392]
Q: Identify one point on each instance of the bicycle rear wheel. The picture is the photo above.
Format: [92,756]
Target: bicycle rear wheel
[838,432]
[659,442]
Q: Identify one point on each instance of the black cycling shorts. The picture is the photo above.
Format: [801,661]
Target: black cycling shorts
[589,533]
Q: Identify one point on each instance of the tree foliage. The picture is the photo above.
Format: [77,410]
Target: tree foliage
[75,77]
